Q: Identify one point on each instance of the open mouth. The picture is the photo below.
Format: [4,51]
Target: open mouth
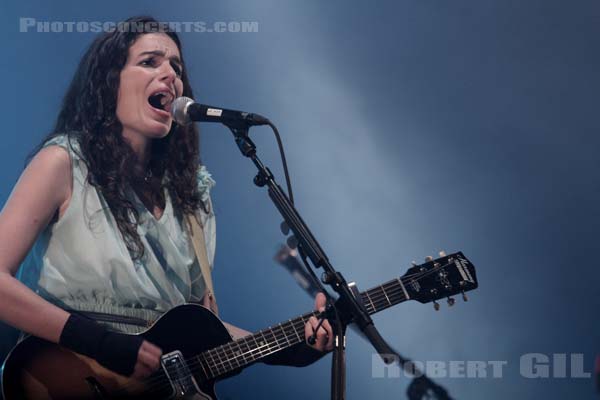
[161,101]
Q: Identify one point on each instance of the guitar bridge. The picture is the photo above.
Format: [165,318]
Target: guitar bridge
[180,377]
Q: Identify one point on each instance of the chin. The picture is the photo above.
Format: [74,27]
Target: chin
[159,132]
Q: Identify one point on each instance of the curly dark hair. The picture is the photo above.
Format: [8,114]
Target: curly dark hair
[88,114]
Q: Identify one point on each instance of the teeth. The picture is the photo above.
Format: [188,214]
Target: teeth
[166,98]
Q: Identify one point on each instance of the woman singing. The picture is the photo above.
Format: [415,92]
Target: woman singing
[95,227]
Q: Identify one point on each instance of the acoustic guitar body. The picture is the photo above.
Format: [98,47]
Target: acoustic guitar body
[39,370]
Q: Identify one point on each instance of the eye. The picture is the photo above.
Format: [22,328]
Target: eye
[149,62]
[177,68]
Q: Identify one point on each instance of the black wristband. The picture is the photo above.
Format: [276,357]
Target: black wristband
[115,351]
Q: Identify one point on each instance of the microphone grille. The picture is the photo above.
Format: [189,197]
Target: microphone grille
[179,110]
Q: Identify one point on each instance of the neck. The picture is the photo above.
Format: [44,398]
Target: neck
[140,146]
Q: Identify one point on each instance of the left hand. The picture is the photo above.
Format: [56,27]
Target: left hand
[324,335]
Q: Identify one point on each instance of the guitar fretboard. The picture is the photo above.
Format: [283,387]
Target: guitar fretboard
[237,354]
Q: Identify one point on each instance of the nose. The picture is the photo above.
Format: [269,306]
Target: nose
[168,74]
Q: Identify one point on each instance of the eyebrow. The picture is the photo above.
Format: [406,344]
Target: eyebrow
[161,54]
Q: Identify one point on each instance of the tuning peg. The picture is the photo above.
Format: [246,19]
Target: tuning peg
[464,296]
[292,242]
[285,229]
[442,253]
[428,258]
[415,265]
[436,306]
[326,278]
[451,301]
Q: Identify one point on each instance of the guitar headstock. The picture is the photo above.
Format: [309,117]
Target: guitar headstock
[443,277]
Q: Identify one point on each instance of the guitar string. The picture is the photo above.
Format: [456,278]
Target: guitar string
[275,338]
[234,355]
[387,290]
[162,379]
[222,364]
[391,289]
[196,365]
[227,368]
[278,343]
[393,292]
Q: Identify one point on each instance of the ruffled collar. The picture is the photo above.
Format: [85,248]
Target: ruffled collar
[205,182]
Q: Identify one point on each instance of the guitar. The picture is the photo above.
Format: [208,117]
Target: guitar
[197,348]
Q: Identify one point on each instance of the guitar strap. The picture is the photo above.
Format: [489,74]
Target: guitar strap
[197,236]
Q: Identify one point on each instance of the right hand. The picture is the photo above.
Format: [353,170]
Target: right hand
[148,360]
[127,355]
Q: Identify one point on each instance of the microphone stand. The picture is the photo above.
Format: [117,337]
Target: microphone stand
[420,388]
[347,305]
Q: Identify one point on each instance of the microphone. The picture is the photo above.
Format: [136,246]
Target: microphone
[185,110]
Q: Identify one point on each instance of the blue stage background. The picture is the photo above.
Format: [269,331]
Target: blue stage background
[410,127]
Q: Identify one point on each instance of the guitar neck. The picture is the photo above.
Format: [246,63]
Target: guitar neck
[243,352]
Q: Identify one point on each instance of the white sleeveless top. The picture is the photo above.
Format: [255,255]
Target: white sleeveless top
[81,261]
